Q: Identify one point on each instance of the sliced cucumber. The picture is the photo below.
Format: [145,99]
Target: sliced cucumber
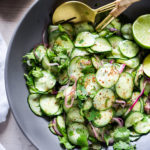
[124,86]
[116,24]
[63,44]
[78,65]
[107,75]
[34,103]
[131,63]
[139,106]
[79,52]
[73,115]
[90,84]
[133,118]
[128,48]
[114,41]
[96,62]
[49,105]
[40,52]
[78,134]
[84,39]
[88,104]
[45,63]
[126,31]
[83,26]
[101,45]
[104,99]
[147,87]
[74,69]
[61,125]
[143,127]
[133,139]
[139,74]
[105,118]
[50,126]
[68,29]
[46,82]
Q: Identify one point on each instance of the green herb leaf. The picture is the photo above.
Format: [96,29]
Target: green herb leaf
[29,79]
[64,141]
[37,73]
[93,115]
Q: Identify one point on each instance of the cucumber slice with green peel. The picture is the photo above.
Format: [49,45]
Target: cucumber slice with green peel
[79,52]
[124,86]
[146,65]
[131,63]
[101,45]
[49,105]
[61,125]
[40,52]
[141,28]
[115,53]
[50,126]
[139,106]
[84,39]
[133,118]
[105,118]
[73,115]
[74,69]
[60,111]
[34,103]
[126,31]
[78,65]
[96,62]
[90,84]
[133,139]
[139,74]
[69,29]
[78,134]
[147,87]
[63,44]
[134,134]
[87,104]
[46,82]
[116,24]
[45,63]
[104,99]
[82,27]
[128,48]
[107,75]
[89,50]
[143,126]
[114,41]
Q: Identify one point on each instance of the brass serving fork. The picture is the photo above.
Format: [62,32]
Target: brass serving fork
[121,6]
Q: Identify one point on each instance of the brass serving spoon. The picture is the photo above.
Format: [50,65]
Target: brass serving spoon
[77,12]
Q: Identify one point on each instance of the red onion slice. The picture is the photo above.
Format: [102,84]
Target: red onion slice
[94,131]
[122,68]
[55,127]
[142,92]
[118,120]
[72,93]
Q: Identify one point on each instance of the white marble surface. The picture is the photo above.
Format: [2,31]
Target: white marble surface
[11,11]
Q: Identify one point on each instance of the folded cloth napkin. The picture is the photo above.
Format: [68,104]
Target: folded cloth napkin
[4,106]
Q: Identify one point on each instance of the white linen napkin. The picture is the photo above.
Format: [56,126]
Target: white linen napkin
[4,106]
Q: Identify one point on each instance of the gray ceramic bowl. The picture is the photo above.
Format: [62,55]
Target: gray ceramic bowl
[27,35]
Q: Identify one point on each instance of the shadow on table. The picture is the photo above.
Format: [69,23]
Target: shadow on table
[3,125]
[10,9]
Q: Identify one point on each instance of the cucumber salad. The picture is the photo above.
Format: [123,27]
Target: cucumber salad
[91,85]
